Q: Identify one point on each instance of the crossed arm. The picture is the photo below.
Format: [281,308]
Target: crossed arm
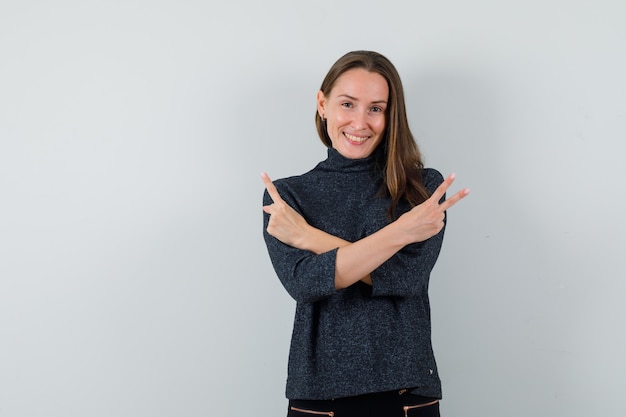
[356,260]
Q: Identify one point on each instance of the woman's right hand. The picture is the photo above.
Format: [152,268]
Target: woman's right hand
[427,219]
[288,226]
[285,224]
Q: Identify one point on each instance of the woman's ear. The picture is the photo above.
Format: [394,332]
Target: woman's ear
[321,104]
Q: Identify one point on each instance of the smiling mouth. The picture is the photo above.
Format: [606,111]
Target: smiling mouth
[355,139]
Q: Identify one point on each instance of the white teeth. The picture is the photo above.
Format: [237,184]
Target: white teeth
[355,138]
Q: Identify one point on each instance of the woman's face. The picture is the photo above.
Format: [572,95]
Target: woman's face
[355,112]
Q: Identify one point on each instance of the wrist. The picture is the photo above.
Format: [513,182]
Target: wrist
[306,238]
[398,236]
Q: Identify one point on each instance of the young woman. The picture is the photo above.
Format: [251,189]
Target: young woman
[353,241]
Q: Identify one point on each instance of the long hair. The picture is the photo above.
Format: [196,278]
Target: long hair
[402,160]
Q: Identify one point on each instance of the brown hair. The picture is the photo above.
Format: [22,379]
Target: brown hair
[402,161]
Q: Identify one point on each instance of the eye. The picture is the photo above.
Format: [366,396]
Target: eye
[376,109]
[347,105]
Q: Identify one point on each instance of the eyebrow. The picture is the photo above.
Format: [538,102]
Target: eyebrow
[356,99]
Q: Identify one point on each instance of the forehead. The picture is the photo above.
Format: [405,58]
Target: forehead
[361,84]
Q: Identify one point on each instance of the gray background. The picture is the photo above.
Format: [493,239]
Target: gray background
[133,276]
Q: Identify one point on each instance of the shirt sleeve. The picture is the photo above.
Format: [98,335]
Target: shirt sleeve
[407,273]
[307,277]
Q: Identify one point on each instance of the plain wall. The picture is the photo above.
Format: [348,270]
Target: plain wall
[134,280]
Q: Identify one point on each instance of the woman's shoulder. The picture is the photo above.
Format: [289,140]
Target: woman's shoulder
[431,178]
[294,180]
[296,184]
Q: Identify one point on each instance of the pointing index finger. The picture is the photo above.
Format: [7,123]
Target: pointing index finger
[271,188]
[443,187]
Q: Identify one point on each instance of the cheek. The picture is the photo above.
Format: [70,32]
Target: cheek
[339,119]
[380,125]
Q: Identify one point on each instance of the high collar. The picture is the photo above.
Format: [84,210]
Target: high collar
[338,162]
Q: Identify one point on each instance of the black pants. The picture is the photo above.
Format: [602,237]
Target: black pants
[383,404]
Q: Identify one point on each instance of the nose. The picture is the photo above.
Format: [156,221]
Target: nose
[360,119]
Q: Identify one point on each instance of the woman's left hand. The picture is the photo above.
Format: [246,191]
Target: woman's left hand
[286,224]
